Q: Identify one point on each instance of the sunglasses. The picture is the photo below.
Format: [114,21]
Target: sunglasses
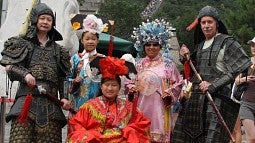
[154,44]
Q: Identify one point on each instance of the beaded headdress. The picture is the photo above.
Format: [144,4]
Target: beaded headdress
[155,31]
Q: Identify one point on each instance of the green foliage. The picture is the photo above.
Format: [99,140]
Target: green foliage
[237,15]
[125,13]
[182,13]
[241,21]
[180,17]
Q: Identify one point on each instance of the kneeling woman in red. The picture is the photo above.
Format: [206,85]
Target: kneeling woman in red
[108,118]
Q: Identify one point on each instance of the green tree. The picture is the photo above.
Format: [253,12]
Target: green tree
[182,13]
[237,15]
[241,21]
[125,13]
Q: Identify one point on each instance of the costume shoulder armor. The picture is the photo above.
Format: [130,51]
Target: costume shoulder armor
[15,50]
[224,36]
[64,60]
[221,39]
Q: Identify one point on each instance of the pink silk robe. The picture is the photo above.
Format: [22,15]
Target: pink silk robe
[156,76]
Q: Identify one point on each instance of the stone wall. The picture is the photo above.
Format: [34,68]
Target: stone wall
[90,6]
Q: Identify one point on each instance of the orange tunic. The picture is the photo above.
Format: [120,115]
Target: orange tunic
[99,120]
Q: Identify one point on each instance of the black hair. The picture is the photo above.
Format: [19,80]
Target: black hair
[86,32]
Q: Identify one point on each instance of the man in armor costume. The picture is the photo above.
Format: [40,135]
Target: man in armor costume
[218,59]
[35,59]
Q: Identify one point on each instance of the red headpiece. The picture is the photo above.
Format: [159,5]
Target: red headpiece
[111,67]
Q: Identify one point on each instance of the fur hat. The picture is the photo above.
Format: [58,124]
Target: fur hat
[37,10]
[208,11]
[40,9]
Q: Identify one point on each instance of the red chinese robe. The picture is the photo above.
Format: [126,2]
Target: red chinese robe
[99,120]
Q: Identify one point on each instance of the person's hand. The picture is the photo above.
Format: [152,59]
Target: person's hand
[7,68]
[167,93]
[184,51]
[250,78]
[133,90]
[30,80]
[80,65]
[204,85]
[240,80]
[168,99]
[78,79]
[66,105]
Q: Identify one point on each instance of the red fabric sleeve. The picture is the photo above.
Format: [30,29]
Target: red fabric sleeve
[78,129]
[138,130]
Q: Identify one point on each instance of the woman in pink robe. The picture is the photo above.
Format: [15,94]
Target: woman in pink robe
[159,81]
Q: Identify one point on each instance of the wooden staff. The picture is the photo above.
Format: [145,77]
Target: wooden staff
[209,97]
[2,118]
[53,98]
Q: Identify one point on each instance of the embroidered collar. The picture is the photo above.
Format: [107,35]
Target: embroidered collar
[148,63]
[86,55]
[154,59]
[85,58]
[109,101]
